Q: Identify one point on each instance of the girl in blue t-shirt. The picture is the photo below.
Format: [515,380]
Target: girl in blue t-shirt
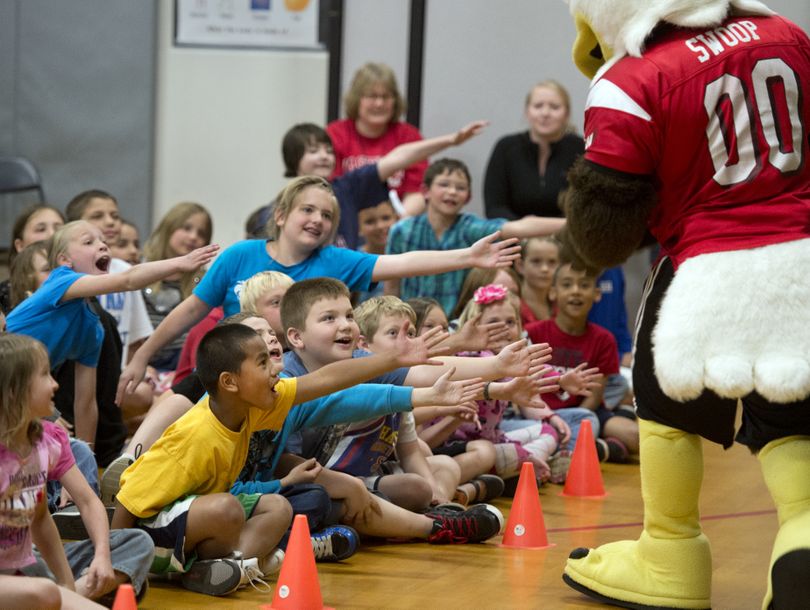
[59,313]
[305,221]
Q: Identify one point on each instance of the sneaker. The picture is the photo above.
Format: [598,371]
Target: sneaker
[559,463]
[611,449]
[69,523]
[213,576]
[111,477]
[271,564]
[252,572]
[476,524]
[487,488]
[335,543]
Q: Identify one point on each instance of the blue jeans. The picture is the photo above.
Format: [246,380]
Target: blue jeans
[131,552]
[309,499]
[85,462]
[574,416]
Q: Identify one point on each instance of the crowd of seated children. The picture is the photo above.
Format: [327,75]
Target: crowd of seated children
[575,340]
[60,314]
[176,490]
[304,222]
[246,435]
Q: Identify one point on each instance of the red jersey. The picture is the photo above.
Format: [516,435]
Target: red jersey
[597,347]
[353,150]
[719,119]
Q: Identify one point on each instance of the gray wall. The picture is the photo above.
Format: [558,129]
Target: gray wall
[76,97]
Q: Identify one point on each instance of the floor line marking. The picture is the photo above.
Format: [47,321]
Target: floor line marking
[608,526]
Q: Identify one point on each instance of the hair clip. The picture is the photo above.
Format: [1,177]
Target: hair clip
[490,293]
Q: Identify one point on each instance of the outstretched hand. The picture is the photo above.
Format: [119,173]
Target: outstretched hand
[197,258]
[525,390]
[489,253]
[519,358]
[475,337]
[412,351]
[469,131]
[580,381]
[451,393]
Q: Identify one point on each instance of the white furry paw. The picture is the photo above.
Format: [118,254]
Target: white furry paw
[782,378]
[730,376]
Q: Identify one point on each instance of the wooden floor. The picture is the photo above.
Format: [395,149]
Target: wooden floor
[737,516]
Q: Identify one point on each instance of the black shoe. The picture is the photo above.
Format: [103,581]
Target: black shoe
[611,449]
[487,488]
[476,524]
[213,576]
[70,525]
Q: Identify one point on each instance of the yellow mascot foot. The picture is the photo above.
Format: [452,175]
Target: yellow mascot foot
[645,574]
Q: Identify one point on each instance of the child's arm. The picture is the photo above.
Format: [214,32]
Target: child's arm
[100,576]
[139,276]
[46,537]
[594,399]
[85,407]
[525,391]
[439,432]
[581,381]
[409,153]
[180,319]
[340,375]
[532,226]
[462,412]
[486,252]
[515,360]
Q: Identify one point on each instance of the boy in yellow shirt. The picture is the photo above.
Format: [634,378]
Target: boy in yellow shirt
[178,490]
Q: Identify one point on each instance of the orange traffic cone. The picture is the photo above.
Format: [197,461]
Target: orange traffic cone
[125,598]
[584,478]
[297,587]
[525,527]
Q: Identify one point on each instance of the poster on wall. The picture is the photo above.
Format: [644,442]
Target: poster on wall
[285,24]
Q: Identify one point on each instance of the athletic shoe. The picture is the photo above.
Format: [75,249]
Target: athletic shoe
[335,543]
[271,564]
[111,477]
[559,463]
[253,573]
[476,524]
[70,525]
[213,576]
[611,449]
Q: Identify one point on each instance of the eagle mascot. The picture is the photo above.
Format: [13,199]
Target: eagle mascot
[696,131]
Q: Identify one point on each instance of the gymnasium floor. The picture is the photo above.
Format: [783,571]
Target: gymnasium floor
[737,516]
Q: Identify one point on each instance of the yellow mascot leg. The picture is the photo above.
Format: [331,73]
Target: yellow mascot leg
[670,565]
[786,468]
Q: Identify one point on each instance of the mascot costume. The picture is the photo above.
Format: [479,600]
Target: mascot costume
[696,131]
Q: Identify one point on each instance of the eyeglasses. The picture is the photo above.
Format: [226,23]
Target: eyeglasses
[383,97]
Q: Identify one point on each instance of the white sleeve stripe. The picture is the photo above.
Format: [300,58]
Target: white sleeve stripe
[605,94]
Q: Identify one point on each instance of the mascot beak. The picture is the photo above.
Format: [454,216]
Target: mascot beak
[589,52]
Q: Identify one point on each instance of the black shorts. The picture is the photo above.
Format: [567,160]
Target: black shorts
[708,415]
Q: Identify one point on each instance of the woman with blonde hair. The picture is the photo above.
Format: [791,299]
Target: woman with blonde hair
[527,170]
[373,127]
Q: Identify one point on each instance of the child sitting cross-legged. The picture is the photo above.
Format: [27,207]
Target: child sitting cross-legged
[177,491]
[576,340]
[535,443]
[415,473]
[321,328]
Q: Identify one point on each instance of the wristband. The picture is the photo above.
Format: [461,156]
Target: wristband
[486,391]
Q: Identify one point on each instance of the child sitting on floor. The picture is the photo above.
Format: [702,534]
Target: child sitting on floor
[177,491]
